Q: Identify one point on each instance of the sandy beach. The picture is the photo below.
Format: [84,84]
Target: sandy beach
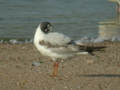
[84,72]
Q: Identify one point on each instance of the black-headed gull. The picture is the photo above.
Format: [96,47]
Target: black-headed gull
[56,45]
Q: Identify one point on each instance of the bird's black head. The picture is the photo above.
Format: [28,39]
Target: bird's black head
[46,27]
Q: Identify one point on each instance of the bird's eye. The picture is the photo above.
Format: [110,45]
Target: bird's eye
[46,30]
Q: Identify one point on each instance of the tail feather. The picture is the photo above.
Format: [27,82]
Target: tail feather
[91,49]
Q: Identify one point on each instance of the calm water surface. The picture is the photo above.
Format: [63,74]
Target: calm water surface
[76,18]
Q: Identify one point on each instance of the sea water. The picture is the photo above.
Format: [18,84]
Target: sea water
[78,19]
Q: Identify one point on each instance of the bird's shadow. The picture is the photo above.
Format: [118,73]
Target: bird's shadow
[101,75]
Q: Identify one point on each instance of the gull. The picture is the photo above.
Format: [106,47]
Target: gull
[56,45]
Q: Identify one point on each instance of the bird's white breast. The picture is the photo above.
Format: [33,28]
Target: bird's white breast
[39,36]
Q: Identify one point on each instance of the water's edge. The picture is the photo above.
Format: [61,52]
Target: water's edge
[82,40]
[16,41]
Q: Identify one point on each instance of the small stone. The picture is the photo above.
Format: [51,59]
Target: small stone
[35,63]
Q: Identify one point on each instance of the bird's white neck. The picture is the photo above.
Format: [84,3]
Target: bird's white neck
[38,35]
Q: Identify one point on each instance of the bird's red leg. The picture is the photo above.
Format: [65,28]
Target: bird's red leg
[55,69]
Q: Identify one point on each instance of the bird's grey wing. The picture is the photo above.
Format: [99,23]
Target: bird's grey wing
[69,49]
[60,43]
[61,49]
[57,39]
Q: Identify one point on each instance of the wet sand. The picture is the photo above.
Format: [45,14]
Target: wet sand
[84,72]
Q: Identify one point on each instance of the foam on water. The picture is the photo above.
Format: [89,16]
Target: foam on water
[16,41]
[97,40]
[81,40]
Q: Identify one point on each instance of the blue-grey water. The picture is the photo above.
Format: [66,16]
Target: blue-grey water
[76,18]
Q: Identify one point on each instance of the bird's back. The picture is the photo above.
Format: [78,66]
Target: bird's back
[57,38]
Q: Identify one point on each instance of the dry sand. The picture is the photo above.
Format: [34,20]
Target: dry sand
[83,72]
